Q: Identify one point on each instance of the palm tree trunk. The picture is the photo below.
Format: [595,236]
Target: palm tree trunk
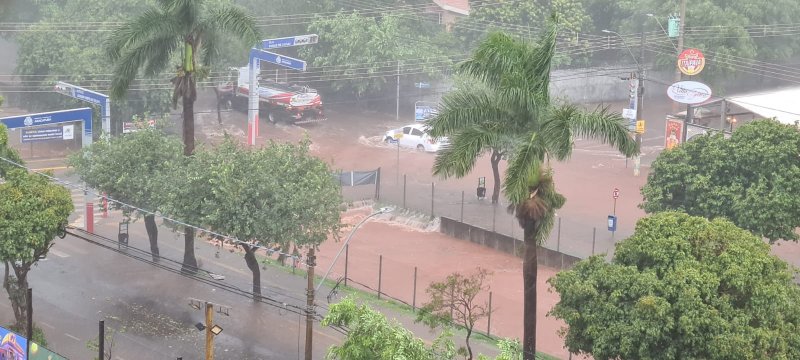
[529,275]
[188,125]
[152,235]
[189,260]
[252,264]
[495,160]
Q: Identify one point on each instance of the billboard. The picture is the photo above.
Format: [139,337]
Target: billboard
[12,347]
[691,62]
[674,133]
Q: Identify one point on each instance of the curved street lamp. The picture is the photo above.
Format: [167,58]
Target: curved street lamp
[380,211]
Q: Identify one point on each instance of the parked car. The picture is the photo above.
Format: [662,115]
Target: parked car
[414,137]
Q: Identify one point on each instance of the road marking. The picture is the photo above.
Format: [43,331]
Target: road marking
[51,168]
[47,325]
[71,337]
[58,253]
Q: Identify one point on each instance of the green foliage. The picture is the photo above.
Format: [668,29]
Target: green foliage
[279,193]
[371,336]
[753,179]
[7,152]
[32,212]
[453,301]
[131,168]
[682,287]
[361,53]
[46,56]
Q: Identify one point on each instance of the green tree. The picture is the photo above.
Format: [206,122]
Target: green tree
[361,53]
[454,301]
[33,212]
[514,102]
[752,179]
[371,336]
[47,55]
[6,152]
[191,29]
[682,287]
[276,195]
[131,169]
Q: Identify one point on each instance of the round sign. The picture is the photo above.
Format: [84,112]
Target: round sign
[691,61]
[689,92]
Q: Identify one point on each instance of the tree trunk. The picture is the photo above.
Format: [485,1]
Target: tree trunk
[529,274]
[17,288]
[189,260]
[469,348]
[219,111]
[495,159]
[152,235]
[188,125]
[252,264]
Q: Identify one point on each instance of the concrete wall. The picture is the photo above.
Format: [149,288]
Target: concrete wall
[506,244]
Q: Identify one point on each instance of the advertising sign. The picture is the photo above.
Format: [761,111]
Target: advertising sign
[673,136]
[689,92]
[674,27]
[12,347]
[640,126]
[691,62]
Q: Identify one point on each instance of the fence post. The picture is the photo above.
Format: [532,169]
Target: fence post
[462,206]
[346,251]
[452,306]
[414,293]
[433,186]
[594,236]
[404,191]
[489,320]
[380,274]
[558,243]
[378,184]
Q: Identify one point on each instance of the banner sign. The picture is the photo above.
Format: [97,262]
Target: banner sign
[689,92]
[66,132]
[356,178]
[673,135]
[424,111]
[691,62]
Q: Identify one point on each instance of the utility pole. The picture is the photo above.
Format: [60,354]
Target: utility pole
[681,26]
[210,328]
[101,341]
[397,108]
[639,103]
[310,303]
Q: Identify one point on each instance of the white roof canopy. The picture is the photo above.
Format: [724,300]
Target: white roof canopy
[783,105]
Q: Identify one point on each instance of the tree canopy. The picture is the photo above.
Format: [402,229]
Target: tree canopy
[682,287]
[753,179]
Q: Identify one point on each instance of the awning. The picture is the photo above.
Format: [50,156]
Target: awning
[783,105]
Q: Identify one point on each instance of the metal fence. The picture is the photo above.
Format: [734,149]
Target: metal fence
[579,237]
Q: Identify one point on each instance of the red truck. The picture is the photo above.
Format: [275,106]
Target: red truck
[280,102]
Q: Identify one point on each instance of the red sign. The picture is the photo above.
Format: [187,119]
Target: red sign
[674,133]
[616,193]
[691,61]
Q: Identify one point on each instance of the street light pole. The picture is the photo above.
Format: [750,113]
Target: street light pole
[640,91]
[383,210]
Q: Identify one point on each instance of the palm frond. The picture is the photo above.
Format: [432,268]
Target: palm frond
[458,158]
[131,60]
[463,108]
[209,47]
[232,20]
[185,13]
[498,55]
[150,24]
[601,124]
[163,48]
[523,168]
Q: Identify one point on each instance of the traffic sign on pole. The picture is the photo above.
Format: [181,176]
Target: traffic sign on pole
[290,41]
[277,59]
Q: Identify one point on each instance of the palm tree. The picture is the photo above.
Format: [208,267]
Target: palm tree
[512,103]
[190,29]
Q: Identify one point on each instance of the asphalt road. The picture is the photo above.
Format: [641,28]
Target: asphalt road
[80,283]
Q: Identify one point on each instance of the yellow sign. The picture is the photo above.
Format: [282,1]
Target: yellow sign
[398,136]
[640,126]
